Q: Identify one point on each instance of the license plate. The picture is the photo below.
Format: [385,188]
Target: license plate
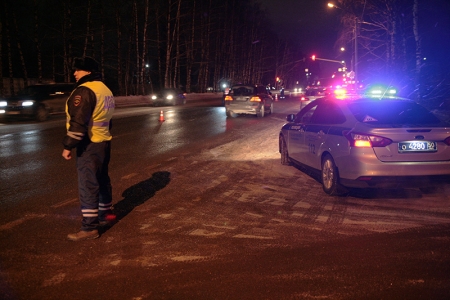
[417,146]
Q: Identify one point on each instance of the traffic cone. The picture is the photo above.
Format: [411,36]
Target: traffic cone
[161,116]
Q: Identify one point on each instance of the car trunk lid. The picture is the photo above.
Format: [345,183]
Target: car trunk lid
[421,144]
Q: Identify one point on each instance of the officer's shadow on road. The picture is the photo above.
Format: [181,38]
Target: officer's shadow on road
[138,194]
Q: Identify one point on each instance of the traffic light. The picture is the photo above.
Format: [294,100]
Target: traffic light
[313,57]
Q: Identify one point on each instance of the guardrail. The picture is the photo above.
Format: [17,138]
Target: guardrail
[122,101]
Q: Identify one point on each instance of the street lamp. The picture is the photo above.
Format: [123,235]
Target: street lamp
[355,32]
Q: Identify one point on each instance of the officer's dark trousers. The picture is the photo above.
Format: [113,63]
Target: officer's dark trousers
[94,185]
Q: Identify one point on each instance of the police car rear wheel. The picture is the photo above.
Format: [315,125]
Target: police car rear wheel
[330,178]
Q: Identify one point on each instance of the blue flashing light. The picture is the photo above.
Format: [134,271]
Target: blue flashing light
[381,91]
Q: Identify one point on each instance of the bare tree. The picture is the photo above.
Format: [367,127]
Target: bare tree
[88,30]
[9,49]
[67,40]
[199,44]
[119,55]
[418,48]
[190,44]
[19,48]
[176,64]
[158,46]
[2,87]
[37,41]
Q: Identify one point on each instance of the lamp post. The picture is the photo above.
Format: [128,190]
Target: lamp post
[355,33]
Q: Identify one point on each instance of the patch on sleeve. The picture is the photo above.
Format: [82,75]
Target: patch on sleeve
[77,100]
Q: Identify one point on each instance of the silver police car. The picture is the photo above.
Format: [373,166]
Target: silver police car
[358,142]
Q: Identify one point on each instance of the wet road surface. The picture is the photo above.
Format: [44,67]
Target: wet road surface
[212,214]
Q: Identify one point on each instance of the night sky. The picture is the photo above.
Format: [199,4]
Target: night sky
[309,22]
[316,26]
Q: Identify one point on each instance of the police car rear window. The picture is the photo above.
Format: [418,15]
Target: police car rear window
[399,113]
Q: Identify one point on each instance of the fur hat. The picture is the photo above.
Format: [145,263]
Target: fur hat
[85,63]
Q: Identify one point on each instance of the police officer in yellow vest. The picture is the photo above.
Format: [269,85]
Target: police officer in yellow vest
[89,110]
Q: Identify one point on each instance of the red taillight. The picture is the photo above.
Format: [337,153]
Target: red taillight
[255,99]
[447,141]
[304,98]
[361,140]
[228,98]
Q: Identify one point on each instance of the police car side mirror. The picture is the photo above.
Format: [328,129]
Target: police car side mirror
[290,118]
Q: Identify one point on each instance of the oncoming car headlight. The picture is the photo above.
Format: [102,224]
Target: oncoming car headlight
[169,97]
[27,103]
[3,103]
[154,97]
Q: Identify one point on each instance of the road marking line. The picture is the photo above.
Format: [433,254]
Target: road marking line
[129,176]
[187,258]
[202,232]
[63,203]
[221,226]
[248,236]
[20,221]
[254,215]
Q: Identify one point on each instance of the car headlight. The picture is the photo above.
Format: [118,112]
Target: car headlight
[3,103]
[27,103]
[169,97]
[154,97]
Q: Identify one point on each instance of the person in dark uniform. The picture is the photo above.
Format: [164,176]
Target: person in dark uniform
[89,110]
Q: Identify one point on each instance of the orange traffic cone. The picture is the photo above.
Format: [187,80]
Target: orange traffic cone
[161,116]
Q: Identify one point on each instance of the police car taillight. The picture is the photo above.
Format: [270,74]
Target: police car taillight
[447,141]
[360,140]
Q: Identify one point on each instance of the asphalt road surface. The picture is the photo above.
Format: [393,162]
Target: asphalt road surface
[206,211]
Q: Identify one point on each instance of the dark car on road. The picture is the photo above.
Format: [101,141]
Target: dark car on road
[37,101]
[360,142]
[248,99]
[168,96]
[310,95]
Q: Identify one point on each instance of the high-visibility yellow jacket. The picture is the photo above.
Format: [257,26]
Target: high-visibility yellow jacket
[89,110]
